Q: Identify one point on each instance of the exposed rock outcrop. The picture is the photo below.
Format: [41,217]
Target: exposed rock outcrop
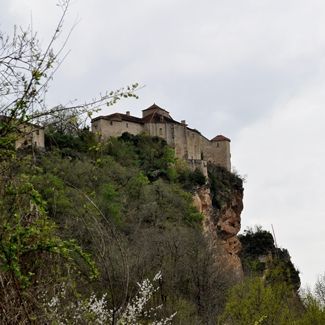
[221,224]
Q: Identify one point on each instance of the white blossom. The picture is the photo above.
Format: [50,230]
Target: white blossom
[95,311]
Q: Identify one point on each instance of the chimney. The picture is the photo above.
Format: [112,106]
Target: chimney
[183,122]
[128,113]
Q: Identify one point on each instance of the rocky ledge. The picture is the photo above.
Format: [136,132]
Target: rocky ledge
[222,222]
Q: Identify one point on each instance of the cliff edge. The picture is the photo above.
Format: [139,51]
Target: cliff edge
[221,203]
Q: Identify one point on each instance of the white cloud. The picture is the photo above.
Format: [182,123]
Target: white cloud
[284,157]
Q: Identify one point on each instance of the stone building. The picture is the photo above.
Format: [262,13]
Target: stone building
[29,135]
[189,144]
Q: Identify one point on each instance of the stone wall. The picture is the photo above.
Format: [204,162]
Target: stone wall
[186,142]
[202,165]
[194,145]
[189,144]
[180,141]
[217,152]
[162,130]
[115,128]
[31,136]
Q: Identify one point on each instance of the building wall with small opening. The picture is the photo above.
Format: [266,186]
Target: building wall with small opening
[31,136]
[115,128]
[188,144]
[217,152]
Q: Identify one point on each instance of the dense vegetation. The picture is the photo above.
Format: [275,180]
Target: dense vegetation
[223,185]
[270,292]
[125,206]
[260,256]
[105,216]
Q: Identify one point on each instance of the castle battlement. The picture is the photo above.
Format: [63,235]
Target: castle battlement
[189,144]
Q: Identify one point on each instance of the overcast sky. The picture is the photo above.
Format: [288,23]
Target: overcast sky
[252,70]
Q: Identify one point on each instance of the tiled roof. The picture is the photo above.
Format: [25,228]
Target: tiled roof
[119,117]
[154,106]
[220,138]
[155,117]
[194,130]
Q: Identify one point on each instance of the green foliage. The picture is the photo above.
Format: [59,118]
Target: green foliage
[122,151]
[7,138]
[260,256]
[223,185]
[281,269]
[198,177]
[110,204]
[314,311]
[78,196]
[190,179]
[128,204]
[69,144]
[256,242]
[254,302]
[320,289]
[27,233]
[153,155]
[136,185]
[124,213]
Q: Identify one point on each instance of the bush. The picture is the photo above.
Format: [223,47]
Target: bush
[223,185]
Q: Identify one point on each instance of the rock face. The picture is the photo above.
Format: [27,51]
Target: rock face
[221,226]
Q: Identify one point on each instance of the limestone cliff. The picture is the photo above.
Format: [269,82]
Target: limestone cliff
[221,204]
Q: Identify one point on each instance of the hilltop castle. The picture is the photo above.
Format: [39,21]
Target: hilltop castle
[189,144]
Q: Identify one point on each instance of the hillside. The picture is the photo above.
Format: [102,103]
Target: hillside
[84,222]
[128,204]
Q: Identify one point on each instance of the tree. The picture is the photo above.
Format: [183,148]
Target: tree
[255,302]
[313,303]
[260,256]
[26,70]
[29,240]
[320,289]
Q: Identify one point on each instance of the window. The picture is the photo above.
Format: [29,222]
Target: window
[160,131]
[111,122]
[127,125]
[37,132]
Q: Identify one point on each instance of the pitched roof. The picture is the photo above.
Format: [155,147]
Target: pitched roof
[154,106]
[119,117]
[155,117]
[220,137]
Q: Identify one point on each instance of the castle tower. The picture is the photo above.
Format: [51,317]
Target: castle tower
[220,146]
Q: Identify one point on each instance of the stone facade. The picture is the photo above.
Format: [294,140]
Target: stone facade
[29,134]
[32,135]
[189,144]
